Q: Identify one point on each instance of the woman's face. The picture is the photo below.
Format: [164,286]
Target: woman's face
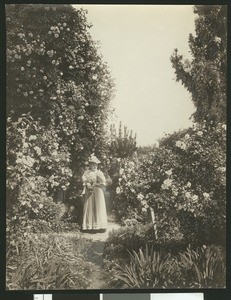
[93,166]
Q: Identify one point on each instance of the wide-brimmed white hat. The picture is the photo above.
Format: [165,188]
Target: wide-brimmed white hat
[94,159]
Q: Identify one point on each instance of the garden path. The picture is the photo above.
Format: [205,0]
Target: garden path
[94,255]
[91,249]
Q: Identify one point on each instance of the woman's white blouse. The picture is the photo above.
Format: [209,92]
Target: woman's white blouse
[94,177]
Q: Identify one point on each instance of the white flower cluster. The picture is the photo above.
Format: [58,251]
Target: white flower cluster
[217,39]
[38,150]
[206,195]
[143,202]
[140,197]
[50,53]
[56,30]
[166,184]
[26,161]
[118,191]
[169,172]
[181,145]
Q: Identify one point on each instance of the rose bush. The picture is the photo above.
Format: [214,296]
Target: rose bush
[183,181]
[58,93]
[56,75]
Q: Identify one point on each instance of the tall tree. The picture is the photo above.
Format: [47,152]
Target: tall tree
[205,75]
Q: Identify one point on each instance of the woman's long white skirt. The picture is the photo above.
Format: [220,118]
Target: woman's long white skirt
[94,210]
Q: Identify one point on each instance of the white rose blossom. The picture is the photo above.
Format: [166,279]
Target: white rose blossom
[118,191]
[222,169]
[168,182]
[178,144]
[169,172]
[195,197]
[187,195]
[38,150]
[144,202]
[183,146]
[206,195]
[217,39]
[140,196]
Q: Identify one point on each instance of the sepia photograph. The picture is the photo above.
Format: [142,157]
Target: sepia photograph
[116,147]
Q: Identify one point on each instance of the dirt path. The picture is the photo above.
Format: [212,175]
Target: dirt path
[94,255]
[101,236]
[90,249]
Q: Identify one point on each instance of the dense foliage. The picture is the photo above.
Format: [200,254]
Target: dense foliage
[121,144]
[133,258]
[205,75]
[57,78]
[183,181]
[58,92]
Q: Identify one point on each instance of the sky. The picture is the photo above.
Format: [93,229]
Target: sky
[137,42]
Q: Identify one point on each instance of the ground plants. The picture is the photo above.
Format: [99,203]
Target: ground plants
[202,267]
[125,239]
[47,262]
[147,269]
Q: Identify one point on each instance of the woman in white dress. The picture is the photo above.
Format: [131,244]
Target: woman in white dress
[94,209]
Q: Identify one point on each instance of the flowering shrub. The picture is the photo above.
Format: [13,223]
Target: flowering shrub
[46,64]
[36,160]
[184,181]
[37,164]
[55,75]
[58,93]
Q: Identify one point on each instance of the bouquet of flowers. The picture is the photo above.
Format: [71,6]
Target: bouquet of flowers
[90,182]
